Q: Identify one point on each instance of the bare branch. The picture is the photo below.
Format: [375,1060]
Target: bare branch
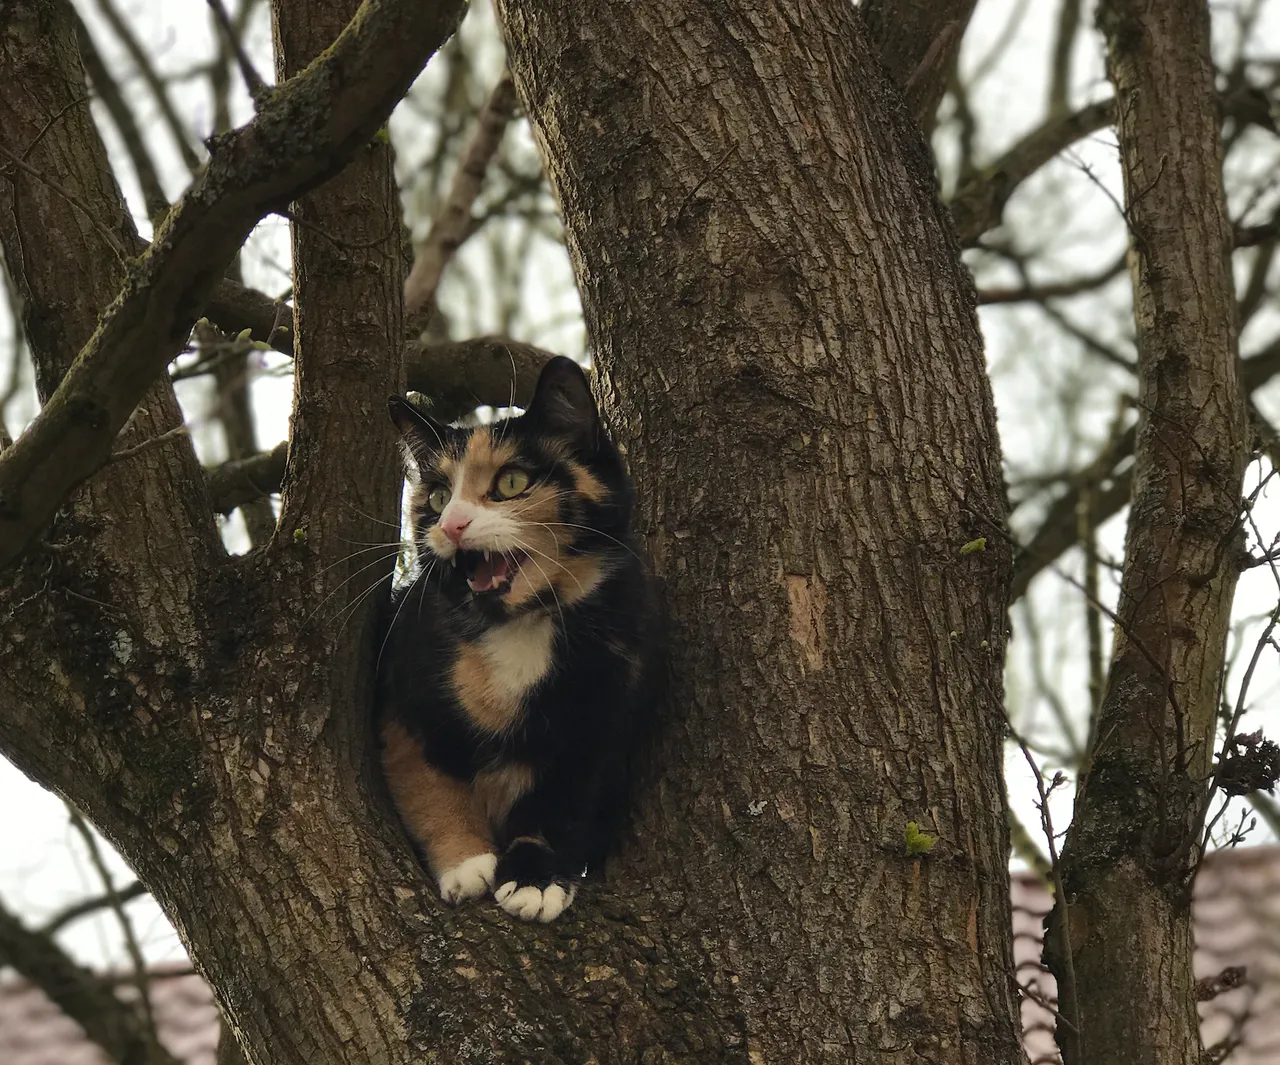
[1053,289]
[456,377]
[979,203]
[106,90]
[453,224]
[126,926]
[304,134]
[1069,18]
[241,481]
[92,905]
[177,129]
[258,88]
[484,371]
[112,1024]
[1155,731]
[919,41]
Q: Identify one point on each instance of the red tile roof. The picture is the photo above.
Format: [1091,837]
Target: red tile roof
[33,1031]
[1237,923]
[1236,909]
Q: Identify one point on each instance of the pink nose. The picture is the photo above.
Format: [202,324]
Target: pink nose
[454,526]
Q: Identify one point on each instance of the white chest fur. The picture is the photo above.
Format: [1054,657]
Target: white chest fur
[518,654]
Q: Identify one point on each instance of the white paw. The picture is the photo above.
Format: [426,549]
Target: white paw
[468,879]
[534,904]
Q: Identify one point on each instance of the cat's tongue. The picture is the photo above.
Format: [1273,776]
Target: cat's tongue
[489,573]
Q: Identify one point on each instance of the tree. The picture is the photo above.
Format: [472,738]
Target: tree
[775,296]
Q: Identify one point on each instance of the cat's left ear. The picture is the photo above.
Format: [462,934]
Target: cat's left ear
[563,404]
[423,435]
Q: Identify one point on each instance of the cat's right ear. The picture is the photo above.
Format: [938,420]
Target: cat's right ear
[423,435]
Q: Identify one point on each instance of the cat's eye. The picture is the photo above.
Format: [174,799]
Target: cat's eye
[511,482]
[438,498]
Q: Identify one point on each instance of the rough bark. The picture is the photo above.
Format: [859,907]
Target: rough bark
[791,354]
[789,349]
[1125,928]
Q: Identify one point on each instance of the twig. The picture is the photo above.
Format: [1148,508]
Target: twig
[149,443]
[258,89]
[181,136]
[1065,994]
[126,925]
[112,240]
[88,906]
[451,224]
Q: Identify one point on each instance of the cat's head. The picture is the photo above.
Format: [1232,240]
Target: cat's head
[527,513]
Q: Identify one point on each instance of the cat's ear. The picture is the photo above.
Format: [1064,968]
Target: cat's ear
[423,435]
[563,404]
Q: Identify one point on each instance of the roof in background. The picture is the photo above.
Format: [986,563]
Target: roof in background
[1237,923]
[1236,909]
[33,1031]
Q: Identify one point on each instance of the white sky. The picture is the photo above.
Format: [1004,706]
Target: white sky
[42,864]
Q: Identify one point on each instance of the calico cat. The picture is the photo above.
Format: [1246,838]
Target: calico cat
[516,678]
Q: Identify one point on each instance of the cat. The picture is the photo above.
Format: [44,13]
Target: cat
[516,680]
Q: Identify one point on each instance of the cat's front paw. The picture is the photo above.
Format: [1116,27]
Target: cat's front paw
[531,903]
[469,879]
[531,884]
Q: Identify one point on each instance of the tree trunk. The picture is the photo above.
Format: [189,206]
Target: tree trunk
[1124,935]
[788,347]
[787,342]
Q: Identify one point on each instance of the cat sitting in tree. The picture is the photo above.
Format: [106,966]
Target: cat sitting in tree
[516,679]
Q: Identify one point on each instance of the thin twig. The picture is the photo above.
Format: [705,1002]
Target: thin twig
[450,226]
[89,906]
[117,905]
[258,88]
[113,242]
[149,443]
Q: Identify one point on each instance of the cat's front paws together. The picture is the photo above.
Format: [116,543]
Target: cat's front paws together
[468,879]
[531,903]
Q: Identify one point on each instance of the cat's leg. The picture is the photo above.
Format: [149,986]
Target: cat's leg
[443,817]
[549,834]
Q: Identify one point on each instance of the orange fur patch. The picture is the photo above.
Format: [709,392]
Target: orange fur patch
[442,813]
[497,790]
[587,483]
[493,675]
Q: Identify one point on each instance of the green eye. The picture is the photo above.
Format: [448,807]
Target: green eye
[438,499]
[511,483]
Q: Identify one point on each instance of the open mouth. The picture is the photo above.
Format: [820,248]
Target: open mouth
[489,571]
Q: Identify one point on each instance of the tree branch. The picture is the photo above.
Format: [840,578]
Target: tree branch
[177,130]
[92,905]
[1155,731]
[485,371]
[303,135]
[978,204]
[455,377]
[919,41]
[453,224]
[106,89]
[241,481]
[1058,532]
[1053,289]
[112,1024]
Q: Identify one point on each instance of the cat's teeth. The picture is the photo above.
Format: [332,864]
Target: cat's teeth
[486,554]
